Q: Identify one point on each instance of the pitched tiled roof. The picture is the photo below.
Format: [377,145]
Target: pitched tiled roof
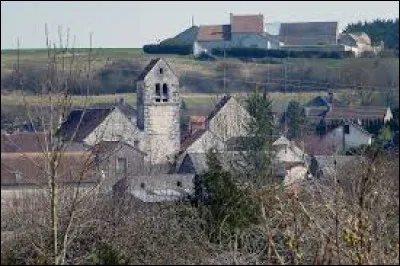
[73,167]
[127,110]
[247,23]
[91,118]
[214,33]
[24,142]
[148,68]
[308,33]
[354,113]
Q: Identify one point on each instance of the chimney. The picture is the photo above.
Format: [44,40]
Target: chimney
[330,100]
[122,101]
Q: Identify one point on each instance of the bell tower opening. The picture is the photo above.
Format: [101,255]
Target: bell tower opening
[165,93]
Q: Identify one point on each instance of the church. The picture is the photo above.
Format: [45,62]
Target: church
[152,128]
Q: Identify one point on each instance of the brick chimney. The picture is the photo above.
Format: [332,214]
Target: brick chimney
[196,123]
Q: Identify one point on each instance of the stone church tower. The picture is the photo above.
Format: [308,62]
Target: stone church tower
[158,105]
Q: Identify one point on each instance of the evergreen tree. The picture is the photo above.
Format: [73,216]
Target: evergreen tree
[296,119]
[227,207]
[257,148]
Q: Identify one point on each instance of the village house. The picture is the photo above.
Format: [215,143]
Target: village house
[322,111]
[338,140]
[359,43]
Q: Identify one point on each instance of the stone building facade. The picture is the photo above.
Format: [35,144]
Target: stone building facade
[158,106]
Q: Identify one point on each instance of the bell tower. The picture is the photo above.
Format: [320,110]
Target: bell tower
[158,105]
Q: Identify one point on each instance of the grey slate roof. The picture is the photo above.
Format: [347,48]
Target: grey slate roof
[308,33]
[148,68]
[91,118]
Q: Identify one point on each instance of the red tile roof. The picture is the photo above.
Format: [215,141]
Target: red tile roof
[213,33]
[24,142]
[247,23]
[197,119]
[355,113]
[73,167]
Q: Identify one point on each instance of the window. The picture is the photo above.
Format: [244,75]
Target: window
[165,93]
[179,183]
[346,129]
[161,70]
[18,176]
[136,144]
[142,185]
[121,166]
[158,93]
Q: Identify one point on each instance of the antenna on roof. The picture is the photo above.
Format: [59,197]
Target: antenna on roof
[192,20]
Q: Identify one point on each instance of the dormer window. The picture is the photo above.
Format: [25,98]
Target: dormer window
[165,93]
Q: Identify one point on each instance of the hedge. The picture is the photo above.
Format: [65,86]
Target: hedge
[262,53]
[168,49]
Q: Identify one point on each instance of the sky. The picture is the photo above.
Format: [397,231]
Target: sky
[133,24]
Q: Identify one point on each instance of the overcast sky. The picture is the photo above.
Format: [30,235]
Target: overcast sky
[133,24]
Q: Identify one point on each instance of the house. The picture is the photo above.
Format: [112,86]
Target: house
[26,175]
[153,127]
[289,161]
[338,140]
[243,31]
[323,110]
[117,160]
[227,120]
[308,33]
[358,42]
[91,125]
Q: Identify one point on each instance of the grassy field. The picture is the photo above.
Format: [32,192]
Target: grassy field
[191,99]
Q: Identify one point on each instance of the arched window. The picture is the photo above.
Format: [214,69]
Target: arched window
[165,93]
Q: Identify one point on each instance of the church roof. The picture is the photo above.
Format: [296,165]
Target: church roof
[91,119]
[148,68]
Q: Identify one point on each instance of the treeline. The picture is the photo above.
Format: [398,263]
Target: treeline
[377,30]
